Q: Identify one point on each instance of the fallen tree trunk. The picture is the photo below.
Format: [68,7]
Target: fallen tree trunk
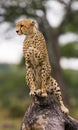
[45,114]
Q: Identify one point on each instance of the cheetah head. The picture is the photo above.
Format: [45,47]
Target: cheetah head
[25,27]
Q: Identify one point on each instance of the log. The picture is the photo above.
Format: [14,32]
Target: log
[45,114]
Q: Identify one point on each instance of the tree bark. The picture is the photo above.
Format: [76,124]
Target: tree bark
[45,114]
[51,37]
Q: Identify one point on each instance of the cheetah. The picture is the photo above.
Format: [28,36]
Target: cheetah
[38,69]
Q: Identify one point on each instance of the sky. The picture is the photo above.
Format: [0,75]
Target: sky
[11,44]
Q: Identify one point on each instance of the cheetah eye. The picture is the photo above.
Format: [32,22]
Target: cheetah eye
[22,26]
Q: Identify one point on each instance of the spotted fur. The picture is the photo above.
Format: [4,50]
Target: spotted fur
[38,76]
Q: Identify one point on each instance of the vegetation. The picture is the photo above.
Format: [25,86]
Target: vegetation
[13,86]
[14,98]
[37,9]
[14,94]
[72,48]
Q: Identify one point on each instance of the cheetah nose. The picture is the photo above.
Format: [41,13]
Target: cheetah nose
[17,31]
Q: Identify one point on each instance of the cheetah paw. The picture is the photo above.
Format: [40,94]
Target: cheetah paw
[32,93]
[38,92]
[44,94]
[64,109]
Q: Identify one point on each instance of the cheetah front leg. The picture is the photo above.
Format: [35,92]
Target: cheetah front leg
[39,58]
[44,78]
[30,79]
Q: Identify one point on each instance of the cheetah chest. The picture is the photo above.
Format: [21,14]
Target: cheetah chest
[32,57]
[31,52]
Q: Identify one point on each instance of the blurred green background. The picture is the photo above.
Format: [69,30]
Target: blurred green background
[58,21]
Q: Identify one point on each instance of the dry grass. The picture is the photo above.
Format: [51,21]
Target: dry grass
[7,123]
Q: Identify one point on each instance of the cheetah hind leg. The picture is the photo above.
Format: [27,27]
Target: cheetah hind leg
[54,89]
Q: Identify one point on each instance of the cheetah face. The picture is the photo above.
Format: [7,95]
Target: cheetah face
[25,27]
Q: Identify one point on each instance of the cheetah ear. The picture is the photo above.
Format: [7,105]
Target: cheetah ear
[32,23]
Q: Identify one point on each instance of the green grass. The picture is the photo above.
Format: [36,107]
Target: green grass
[7,123]
[14,97]
[12,86]
[14,94]
[71,78]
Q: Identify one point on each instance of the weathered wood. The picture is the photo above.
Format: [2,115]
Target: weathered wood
[45,114]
